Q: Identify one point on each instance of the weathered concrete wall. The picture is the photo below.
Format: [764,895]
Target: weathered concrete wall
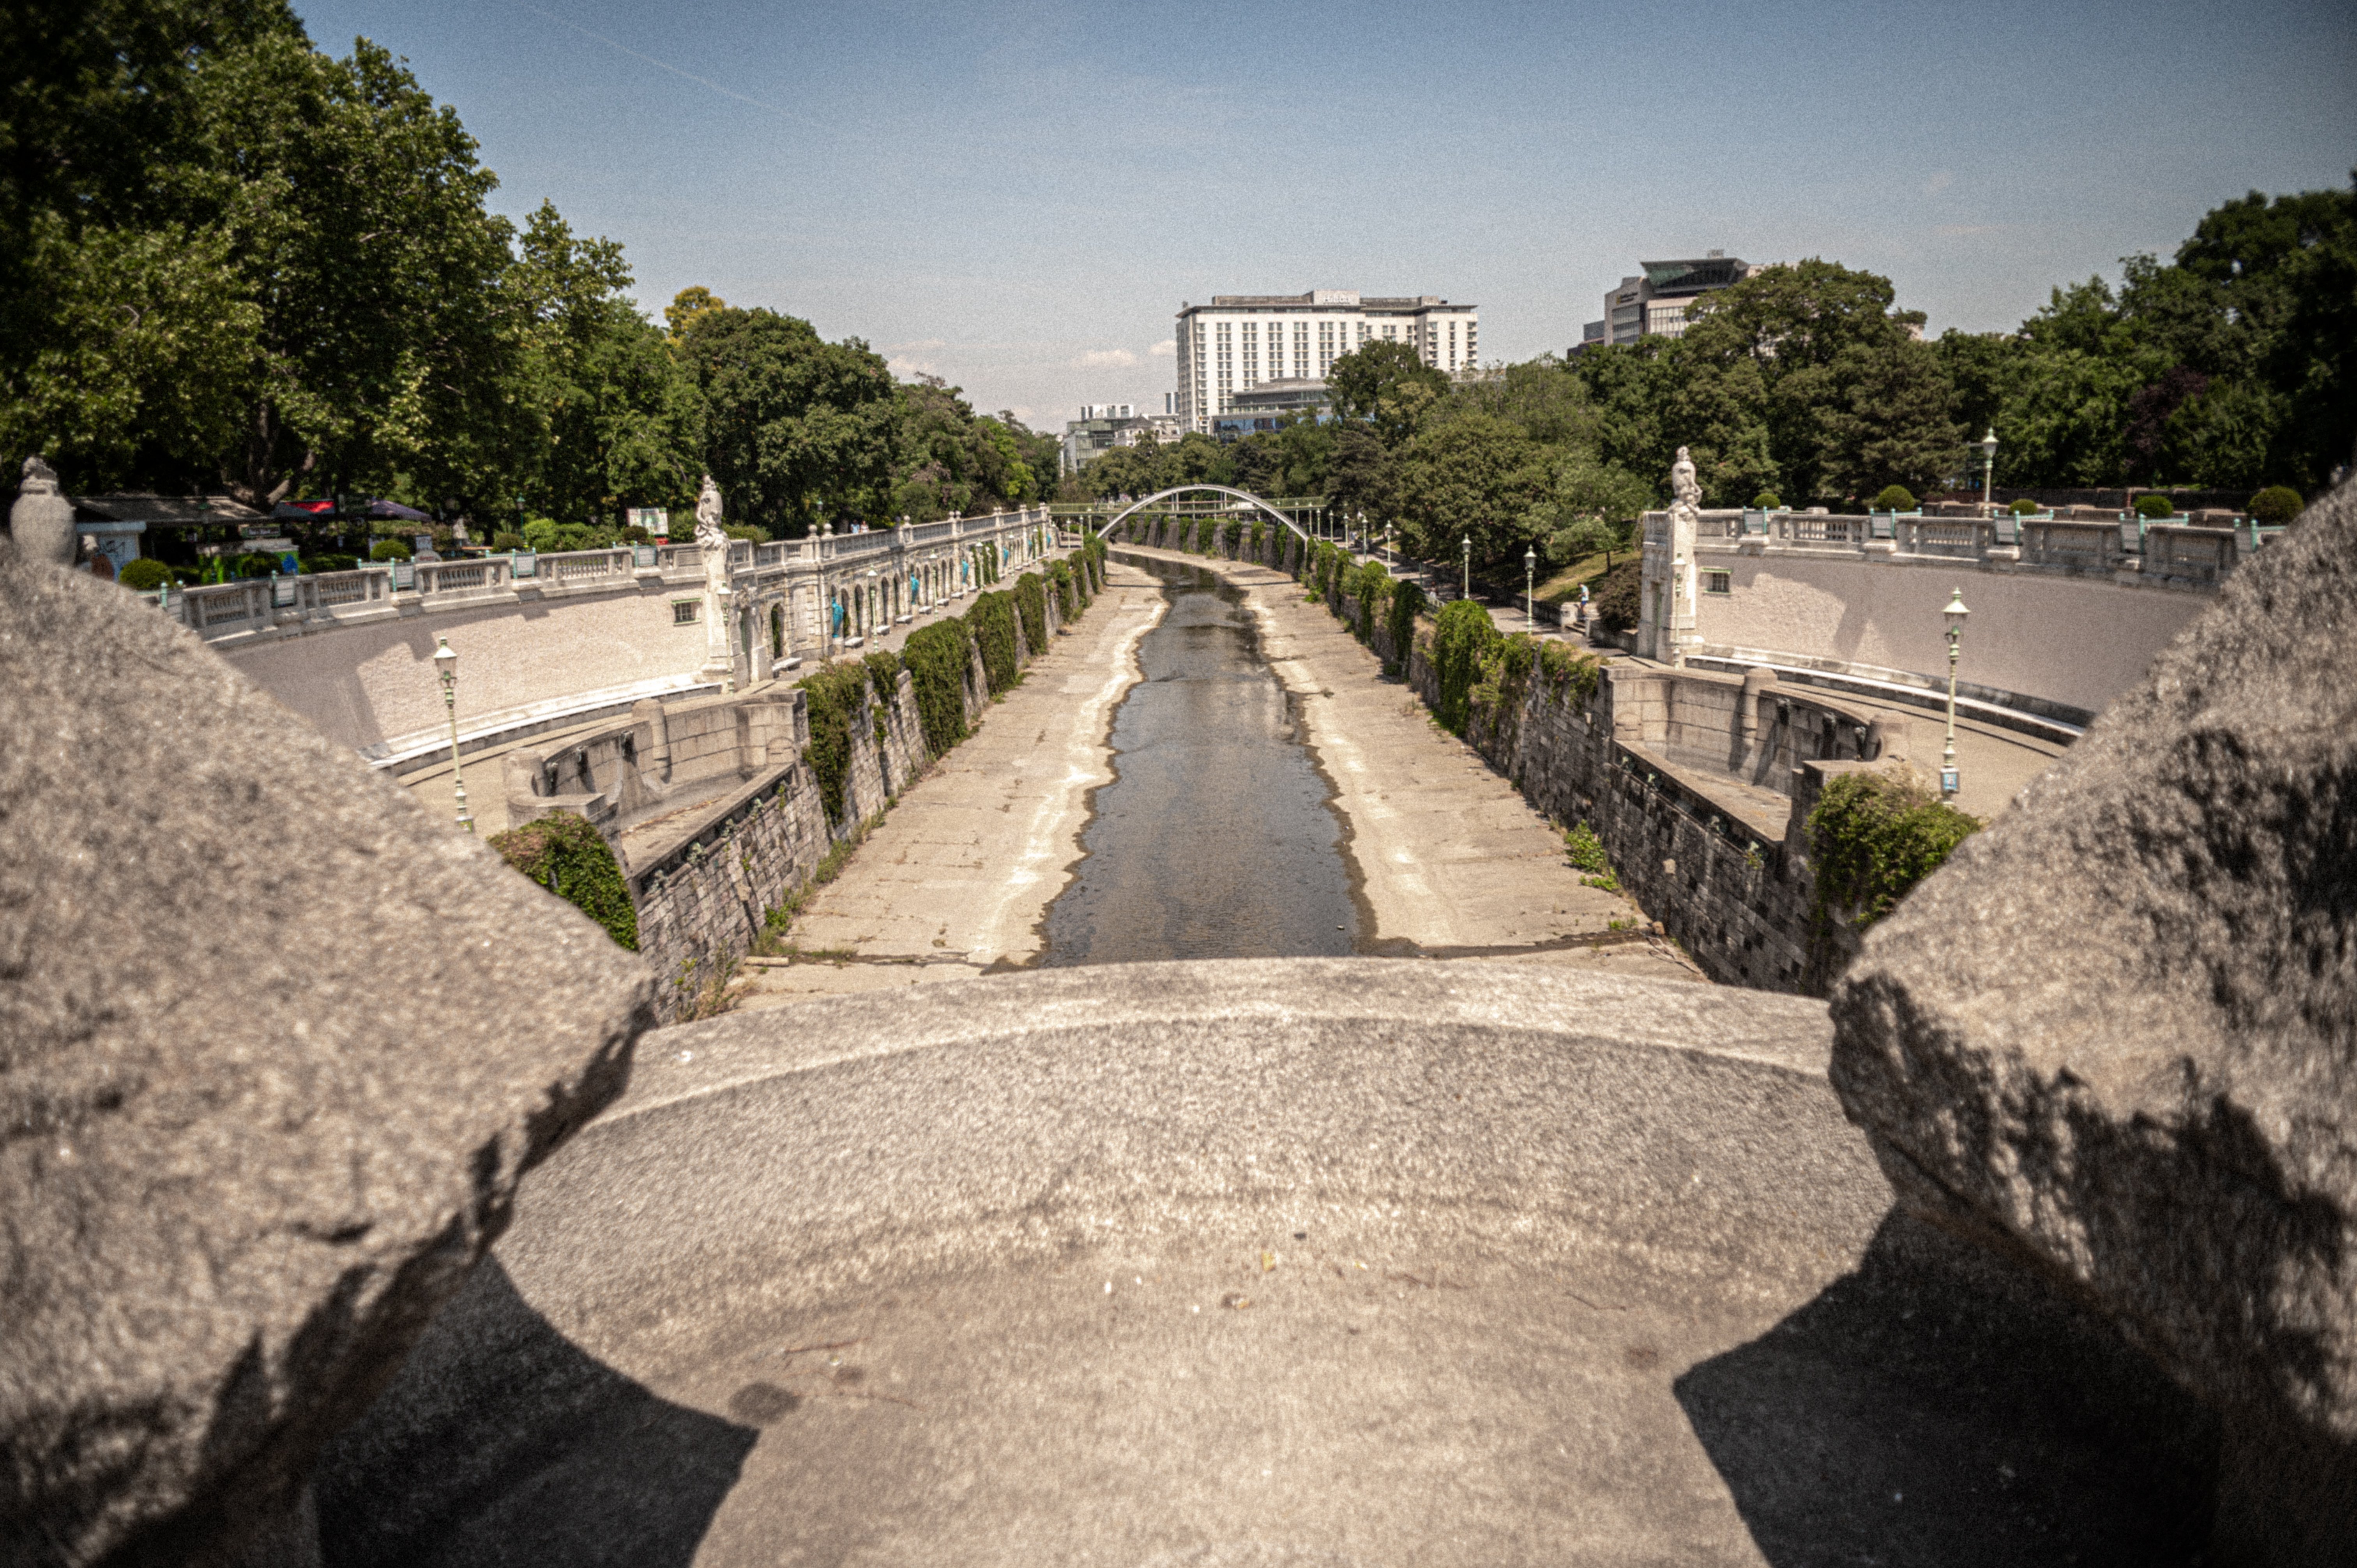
[369,686]
[2068,640]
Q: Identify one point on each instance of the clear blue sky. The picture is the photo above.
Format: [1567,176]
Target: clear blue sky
[1019,195]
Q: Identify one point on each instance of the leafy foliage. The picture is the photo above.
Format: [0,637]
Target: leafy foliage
[2153,507]
[1894,498]
[1873,836]
[1616,602]
[1406,603]
[146,575]
[1767,500]
[992,621]
[2277,505]
[838,698]
[1463,638]
[569,857]
[1031,602]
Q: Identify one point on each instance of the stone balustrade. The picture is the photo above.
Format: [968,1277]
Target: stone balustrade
[275,606]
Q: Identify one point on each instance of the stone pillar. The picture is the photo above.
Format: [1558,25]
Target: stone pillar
[1886,739]
[654,731]
[1746,710]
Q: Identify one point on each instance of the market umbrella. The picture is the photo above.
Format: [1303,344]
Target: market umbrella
[395,509]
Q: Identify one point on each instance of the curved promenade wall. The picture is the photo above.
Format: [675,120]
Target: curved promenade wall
[2071,641]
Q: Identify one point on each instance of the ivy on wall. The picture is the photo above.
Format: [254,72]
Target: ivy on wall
[1463,638]
[1406,603]
[836,694]
[569,857]
[992,620]
[1873,835]
[1031,600]
[936,656]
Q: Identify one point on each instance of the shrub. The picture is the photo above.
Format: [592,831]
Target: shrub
[936,655]
[1568,673]
[1767,500]
[507,539]
[570,858]
[2277,505]
[2154,506]
[991,622]
[1615,603]
[1060,575]
[1406,601]
[1371,585]
[388,549]
[146,575]
[256,565]
[1031,602]
[836,696]
[1462,640]
[1259,537]
[1894,498]
[1873,836]
[2024,506]
[331,562]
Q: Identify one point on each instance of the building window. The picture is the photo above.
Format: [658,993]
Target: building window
[1719,581]
[684,611]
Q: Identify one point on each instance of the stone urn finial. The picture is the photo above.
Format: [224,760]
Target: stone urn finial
[42,521]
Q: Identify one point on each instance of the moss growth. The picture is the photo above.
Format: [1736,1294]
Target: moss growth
[1570,674]
[570,858]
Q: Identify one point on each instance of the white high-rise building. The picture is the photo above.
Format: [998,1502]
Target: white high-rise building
[1240,340]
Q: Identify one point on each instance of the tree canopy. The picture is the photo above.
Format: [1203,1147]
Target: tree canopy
[228,260]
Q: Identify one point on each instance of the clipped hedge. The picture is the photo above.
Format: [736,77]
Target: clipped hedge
[570,858]
[936,656]
[2152,507]
[837,694]
[992,621]
[1031,602]
[1894,498]
[1873,837]
[145,573]
[2277,505]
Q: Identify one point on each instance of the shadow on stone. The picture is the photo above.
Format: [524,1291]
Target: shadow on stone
[501,1443]
[1936,1384]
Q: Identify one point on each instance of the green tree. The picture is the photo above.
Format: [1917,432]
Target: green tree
[1475,477]
[796,429]
[1387,386]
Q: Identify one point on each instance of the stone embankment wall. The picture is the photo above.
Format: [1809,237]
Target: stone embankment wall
[1698,786]
[703,890]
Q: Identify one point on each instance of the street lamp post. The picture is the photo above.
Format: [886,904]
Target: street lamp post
[1950,781]
[1988,444]
[445,669]
[1530,590]
[1469,565]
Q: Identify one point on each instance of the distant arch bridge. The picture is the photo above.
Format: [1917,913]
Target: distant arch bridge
[1285,511]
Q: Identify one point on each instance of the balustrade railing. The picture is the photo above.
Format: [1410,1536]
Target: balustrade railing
[2194,554]
[253,604]
[2089,546]
[1960,537]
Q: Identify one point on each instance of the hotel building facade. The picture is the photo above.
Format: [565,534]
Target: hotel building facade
[1240,340]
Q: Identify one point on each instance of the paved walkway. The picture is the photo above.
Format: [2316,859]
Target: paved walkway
[1452,863]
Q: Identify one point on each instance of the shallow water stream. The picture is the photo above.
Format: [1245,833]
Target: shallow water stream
[1217,838]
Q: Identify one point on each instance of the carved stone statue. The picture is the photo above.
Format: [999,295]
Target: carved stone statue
[714,543]
[42,521]
[708,534]
[1685,492]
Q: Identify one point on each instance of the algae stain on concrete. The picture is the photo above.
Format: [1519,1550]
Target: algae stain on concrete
[1217,836]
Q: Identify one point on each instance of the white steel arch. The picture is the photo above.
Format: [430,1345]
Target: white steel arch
[1217,489]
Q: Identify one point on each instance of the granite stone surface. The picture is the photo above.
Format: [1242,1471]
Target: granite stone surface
[275,1048]
[2117,1033]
